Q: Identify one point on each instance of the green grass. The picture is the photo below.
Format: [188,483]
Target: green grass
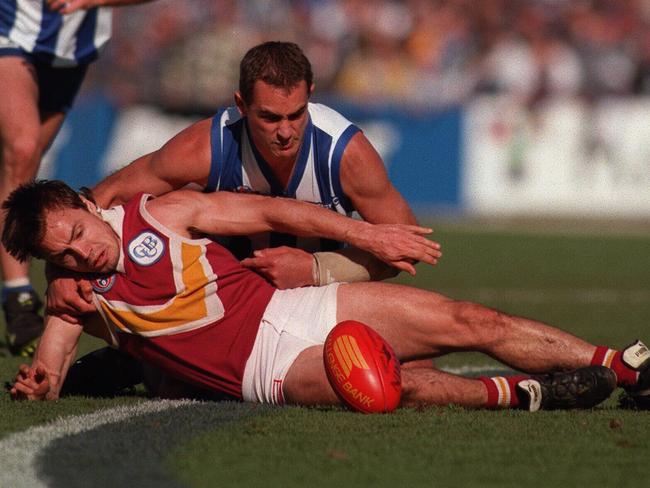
[595,286]
[434,447]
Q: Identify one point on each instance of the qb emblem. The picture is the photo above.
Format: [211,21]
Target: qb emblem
[362,368]
[146,249]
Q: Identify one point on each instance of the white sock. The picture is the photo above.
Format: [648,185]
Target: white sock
[16,282]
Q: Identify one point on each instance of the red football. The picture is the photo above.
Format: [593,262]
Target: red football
[362,368]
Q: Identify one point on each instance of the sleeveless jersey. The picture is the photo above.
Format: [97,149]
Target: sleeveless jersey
[58,40]
[238,166]
[184,305]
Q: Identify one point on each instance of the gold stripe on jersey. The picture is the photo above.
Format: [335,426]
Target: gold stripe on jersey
[194,305]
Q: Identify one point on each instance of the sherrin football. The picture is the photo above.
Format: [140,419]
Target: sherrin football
[362,368]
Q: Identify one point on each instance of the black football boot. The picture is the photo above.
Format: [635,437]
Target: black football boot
[580,388]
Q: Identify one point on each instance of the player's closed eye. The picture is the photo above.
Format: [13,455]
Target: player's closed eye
[296,115]
[271,117]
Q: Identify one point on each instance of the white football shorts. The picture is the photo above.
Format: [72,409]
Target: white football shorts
[293,321]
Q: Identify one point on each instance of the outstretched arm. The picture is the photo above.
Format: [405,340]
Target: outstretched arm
[222,213]
[54,355]
[365,182]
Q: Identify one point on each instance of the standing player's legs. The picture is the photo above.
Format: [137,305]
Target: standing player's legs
[25,133]
[421,324]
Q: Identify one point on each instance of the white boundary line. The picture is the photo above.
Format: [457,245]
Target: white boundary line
[20,450]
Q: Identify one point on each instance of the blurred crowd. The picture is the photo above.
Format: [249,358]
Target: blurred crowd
[184,54]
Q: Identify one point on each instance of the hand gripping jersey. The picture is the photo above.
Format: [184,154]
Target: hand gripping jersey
[238,166]
[184,305]
[59,40]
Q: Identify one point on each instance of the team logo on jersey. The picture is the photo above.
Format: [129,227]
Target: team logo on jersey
[103,284]
[146,249]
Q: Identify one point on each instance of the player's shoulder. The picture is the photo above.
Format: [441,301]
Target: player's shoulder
[327,119]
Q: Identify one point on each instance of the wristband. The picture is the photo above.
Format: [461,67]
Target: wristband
[349,265]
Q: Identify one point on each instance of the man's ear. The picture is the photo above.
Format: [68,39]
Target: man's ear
[91,206]
[311,89]
[241,104]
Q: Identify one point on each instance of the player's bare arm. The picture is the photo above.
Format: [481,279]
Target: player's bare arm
[184,159]
[284,266]
[224,213]
[366,183]
[54,355]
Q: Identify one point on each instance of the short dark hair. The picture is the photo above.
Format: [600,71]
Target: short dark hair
[280,64]
[24,226]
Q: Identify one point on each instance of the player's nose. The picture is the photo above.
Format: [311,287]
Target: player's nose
[284,130]
[82,250]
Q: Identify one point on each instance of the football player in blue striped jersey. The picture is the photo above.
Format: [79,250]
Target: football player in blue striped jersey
[45,49]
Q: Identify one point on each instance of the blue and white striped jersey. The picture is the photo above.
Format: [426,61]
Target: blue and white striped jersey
[59,40]
[238,166]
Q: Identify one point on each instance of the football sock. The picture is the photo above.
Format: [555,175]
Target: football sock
[15,286]
[502,390]
[604,356]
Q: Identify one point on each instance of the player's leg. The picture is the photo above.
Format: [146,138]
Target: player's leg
[419,323]
[308,319]
[19,158]
[306,383]
[29,122]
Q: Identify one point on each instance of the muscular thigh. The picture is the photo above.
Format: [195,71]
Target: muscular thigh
[18,112]
[306,382]
[417,323]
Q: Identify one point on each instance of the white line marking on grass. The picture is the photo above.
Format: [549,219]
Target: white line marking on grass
[480,369]
[20,450]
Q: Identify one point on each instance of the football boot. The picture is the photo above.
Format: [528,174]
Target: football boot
[24,325]
[109,372]
[637,357]
[580,388]
[106,372]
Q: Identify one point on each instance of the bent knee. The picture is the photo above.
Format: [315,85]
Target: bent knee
[20,157]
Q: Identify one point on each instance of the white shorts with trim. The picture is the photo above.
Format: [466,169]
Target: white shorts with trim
[293,321]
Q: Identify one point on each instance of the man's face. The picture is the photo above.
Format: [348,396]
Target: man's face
[79,240]
[277,119]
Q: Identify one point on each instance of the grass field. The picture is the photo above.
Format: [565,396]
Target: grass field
[595,286]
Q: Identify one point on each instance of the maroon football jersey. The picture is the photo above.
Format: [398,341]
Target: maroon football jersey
[184,305]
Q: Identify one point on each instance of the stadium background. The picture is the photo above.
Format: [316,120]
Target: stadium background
[497,107]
